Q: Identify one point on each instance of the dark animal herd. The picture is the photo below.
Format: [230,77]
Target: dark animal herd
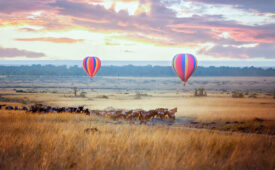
[139,114]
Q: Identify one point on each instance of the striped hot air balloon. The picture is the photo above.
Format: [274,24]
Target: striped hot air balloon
[184,65]
[91,65]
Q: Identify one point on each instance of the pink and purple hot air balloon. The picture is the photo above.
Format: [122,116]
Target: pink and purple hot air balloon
[91,65]
[184,65]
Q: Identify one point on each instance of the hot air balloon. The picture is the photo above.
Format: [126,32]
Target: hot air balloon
[91,65]
[184,65]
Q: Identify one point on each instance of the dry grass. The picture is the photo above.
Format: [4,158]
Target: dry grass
[58,142]
[219,108]
[214,107]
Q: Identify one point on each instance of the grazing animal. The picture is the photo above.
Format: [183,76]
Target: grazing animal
[32,109]
[87,112]
[38,105]
[70,109]
[25,108]
[139,114]
[42,110]
[79,109]
[60,110]
[91,130]
[119,114]
[102,113]
[153,113]
[124,114]
[171,113]
[9,108]
[36,108]
[146,115]
[74,109]
[2,105]
[96,112]
[161,114]
[136,114]
[129,115]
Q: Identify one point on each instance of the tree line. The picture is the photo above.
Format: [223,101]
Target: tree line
[131,70]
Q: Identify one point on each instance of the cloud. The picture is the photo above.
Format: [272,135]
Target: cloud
[7,6]
[111,44]
[51,39]
[192,29]
[237,33]
[260,51]
[188,9]
[128,51]
[14,52]
[27,30]
[196,29]
[161,26]
[262,6]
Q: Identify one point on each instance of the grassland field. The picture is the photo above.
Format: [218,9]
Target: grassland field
[212,132]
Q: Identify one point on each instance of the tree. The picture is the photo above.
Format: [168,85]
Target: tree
[75,91]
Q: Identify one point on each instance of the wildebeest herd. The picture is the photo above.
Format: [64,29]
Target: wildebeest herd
[138,114]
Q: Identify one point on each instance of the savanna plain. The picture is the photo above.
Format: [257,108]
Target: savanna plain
[232,127]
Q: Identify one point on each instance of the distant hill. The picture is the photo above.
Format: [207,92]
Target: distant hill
[135,71]
[203,63]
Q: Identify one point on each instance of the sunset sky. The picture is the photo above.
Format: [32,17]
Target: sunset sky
[137,29]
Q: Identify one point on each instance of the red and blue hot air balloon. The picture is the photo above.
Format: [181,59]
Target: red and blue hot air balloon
[184,65]
[91,65]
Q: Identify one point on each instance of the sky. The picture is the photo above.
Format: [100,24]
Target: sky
[222,30]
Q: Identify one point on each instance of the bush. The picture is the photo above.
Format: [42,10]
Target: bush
[254,95]
[237,94]
[83,94]
[102,97]
[19,91]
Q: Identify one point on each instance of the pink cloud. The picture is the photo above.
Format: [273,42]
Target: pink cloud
[259,51]
[183,31]
[122,24]
[237,33]
[111,44]
[14,52]
[50,39]
[15,6]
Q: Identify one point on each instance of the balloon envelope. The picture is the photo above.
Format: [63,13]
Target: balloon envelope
[91,65]
[184,65]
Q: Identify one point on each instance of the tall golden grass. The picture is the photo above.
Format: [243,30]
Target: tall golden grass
[58,141]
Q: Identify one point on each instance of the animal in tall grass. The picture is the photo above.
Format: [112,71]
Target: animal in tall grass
[138,114]
[171,113]
[9,108]
[161,113]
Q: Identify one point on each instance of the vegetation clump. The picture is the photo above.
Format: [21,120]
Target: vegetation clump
[83,94]
[200,92]
[237,94]
[254,95]
[102,97]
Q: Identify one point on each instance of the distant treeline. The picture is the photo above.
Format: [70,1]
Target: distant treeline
[131,70]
